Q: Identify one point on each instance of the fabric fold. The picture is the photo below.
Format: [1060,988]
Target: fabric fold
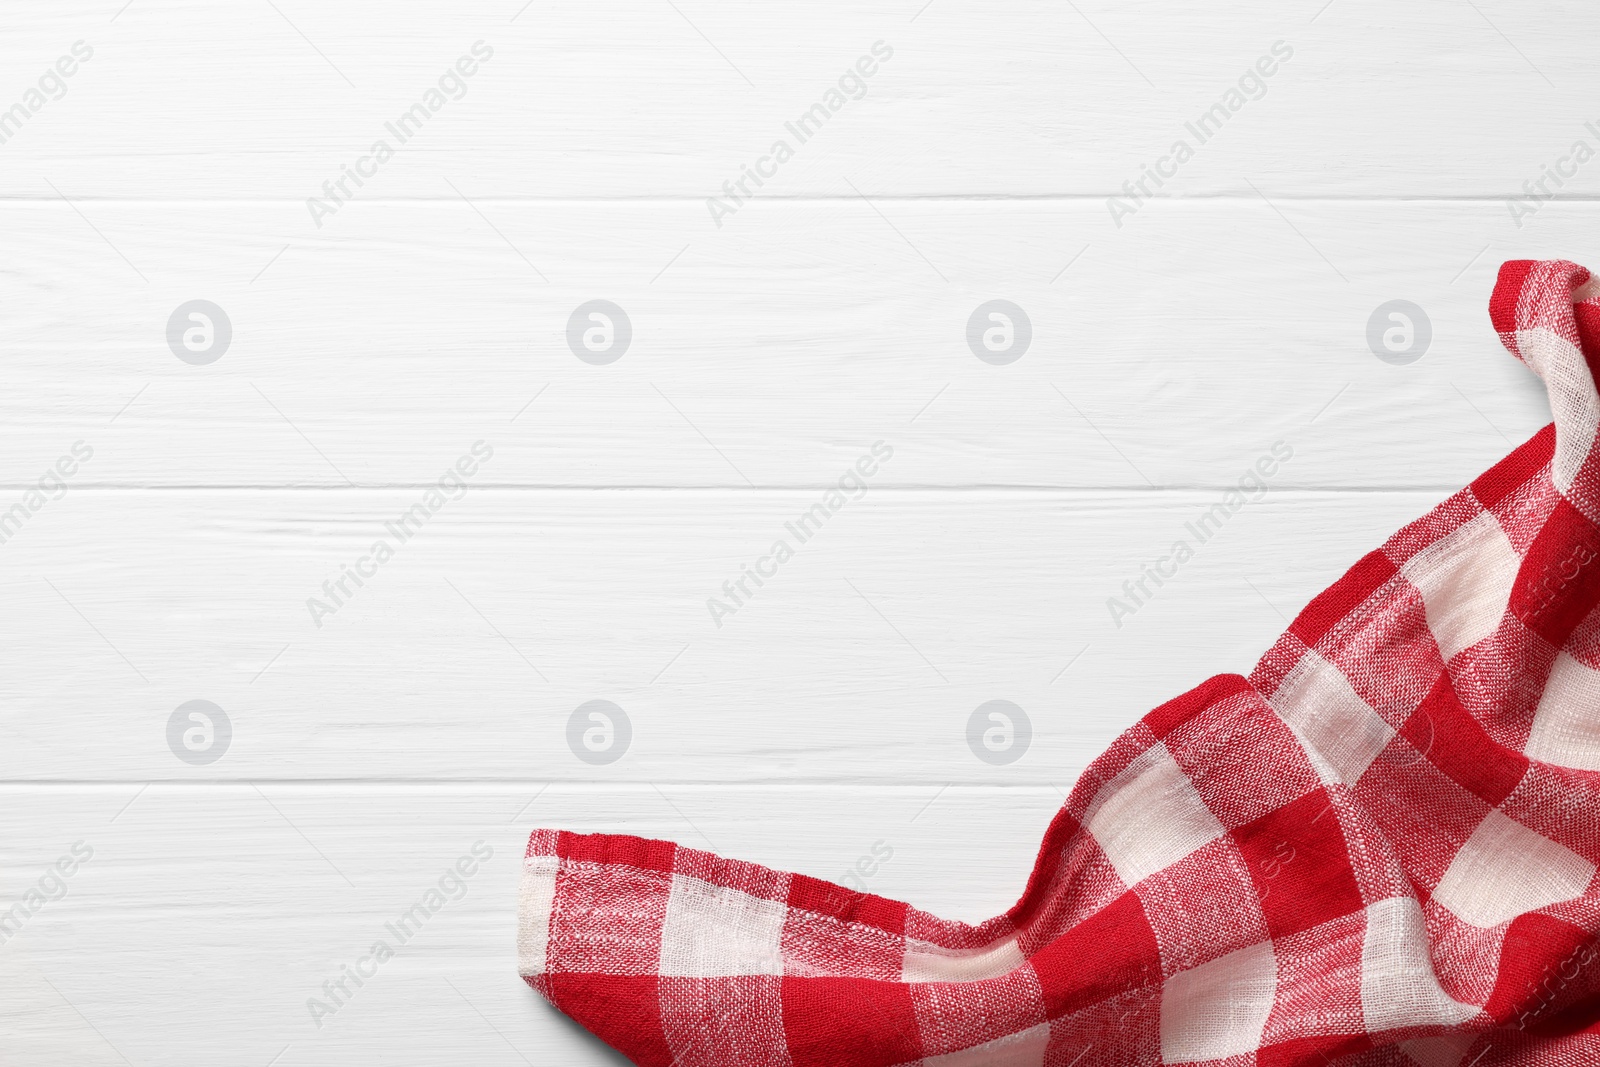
[1380,848]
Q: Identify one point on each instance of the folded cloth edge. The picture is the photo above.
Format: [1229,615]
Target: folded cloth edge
[1401,710]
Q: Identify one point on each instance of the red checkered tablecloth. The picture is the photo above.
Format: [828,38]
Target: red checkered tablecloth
[1378,849]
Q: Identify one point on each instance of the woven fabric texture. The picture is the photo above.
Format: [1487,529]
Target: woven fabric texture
[1378,849]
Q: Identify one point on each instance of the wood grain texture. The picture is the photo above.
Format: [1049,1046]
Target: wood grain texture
[1169,354]
[861,659]
[211,915]
[187,100]
[1176,341]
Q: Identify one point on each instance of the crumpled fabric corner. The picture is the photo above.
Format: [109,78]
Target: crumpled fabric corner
[1380,848]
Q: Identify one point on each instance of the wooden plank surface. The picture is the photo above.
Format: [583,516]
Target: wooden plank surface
[860,657]
[213,914]
[167,523]
[1167,355]
[184,100]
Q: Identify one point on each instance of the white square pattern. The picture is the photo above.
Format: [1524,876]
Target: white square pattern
[536,895]
[1505,870]
[925,962]
[1218,1009]
[1333,722]
[1398,984]
[712,932]
[1014,1050]
[1566,730]
[1465,580]
[1150,816]
[1572,399]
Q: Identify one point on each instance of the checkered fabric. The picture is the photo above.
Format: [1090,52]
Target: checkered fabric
[1378,849]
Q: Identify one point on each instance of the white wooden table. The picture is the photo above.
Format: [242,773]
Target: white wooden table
[820,721]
